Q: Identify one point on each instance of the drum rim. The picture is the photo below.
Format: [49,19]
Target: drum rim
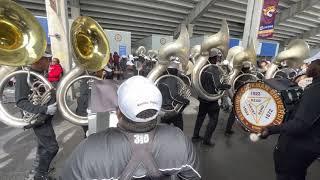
[254,128]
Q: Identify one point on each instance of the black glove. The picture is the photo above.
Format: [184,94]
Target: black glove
[264,133]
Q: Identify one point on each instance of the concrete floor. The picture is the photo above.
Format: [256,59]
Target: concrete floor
[233,158]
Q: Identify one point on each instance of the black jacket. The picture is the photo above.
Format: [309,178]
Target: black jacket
[22,91]
[105,155]
[304,126]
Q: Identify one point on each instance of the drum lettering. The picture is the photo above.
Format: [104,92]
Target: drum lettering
[246,111]
[268,114]
[252,109]
[255,100]
[253,93]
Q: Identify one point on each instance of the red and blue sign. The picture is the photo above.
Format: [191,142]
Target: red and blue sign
[267,20]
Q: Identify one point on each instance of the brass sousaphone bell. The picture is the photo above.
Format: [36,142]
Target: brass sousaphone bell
[297,51]
[90,48]
[22,42]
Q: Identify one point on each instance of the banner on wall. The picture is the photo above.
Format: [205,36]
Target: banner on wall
[122,50]
[267,20]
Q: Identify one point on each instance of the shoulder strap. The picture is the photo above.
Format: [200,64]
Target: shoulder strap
[141,156]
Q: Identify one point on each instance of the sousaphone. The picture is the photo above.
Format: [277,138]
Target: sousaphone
[90,48]
[297,51]
[219,41]
[179,48]
[22,42]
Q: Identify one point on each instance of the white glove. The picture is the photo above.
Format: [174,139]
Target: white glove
[52,109]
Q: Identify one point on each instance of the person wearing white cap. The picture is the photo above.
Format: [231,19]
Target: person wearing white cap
[299,142]
[138,147]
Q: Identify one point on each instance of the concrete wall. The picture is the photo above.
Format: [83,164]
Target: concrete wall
[314,51]
[154,41]
[146,42]
[119,40]
[160,40]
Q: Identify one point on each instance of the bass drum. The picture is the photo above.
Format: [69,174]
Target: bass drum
[261,104]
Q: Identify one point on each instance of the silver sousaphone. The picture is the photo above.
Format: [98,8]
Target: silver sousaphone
[179,48]
[22,42]
[90,48]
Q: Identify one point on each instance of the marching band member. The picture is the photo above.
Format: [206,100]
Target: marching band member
[211,108]
[176,118]
[46,137]
[137,148]
[232,117]
[299,142]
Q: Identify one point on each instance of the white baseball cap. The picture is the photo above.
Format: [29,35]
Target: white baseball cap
[136,95]
[313,58]
[130,63]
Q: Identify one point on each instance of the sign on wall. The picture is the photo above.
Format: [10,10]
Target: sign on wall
[122,50]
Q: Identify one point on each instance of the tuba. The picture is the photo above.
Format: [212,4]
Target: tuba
[239,58]
[219,41]
[179,48]
[152,54]
[90,48]
[195,53]
[298,50]
[141,51]
[22,42]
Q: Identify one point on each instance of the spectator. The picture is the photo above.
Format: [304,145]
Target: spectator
[116,59]
[55,72]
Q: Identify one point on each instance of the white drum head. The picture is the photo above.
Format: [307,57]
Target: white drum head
[257,105]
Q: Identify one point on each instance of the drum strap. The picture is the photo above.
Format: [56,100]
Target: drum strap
[142,162]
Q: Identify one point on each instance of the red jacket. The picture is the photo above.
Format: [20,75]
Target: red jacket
[54,72]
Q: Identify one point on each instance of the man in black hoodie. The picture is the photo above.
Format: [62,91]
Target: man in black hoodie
[211,83]
[299,142]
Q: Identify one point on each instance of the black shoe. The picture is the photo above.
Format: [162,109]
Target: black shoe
[229,133]
[208,143]
[196,138]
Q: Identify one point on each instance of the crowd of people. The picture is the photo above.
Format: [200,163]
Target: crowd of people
[138,146]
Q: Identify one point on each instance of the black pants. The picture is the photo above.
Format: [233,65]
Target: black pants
[47,148]
[212,109]
[85,129]
[176,120]
[231,120]
[291,161]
